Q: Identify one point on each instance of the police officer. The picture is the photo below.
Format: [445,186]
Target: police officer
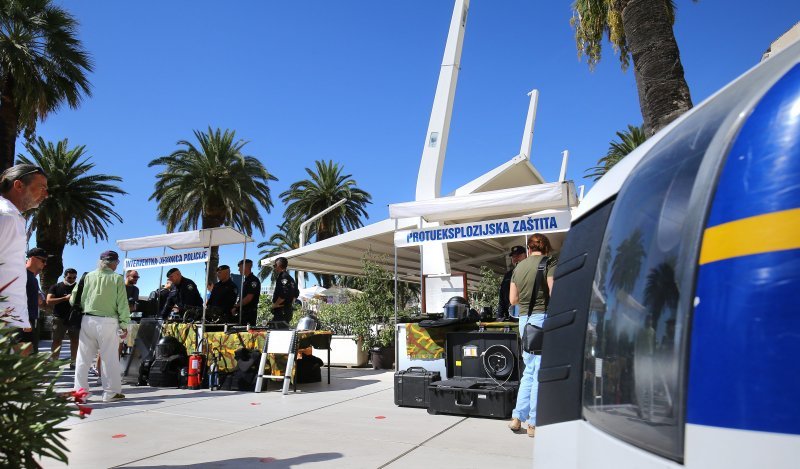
[518,253]
[182,294]
[224,294]
[285,292]
[251,292]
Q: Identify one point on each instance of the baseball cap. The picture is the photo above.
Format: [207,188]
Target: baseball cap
[517,250]
[37,252]
[109,256]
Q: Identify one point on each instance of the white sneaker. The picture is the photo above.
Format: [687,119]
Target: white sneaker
[113,397]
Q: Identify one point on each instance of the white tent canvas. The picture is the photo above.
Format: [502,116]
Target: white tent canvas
[209,237]
[489,204]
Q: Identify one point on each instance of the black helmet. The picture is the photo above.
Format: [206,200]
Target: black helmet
[169,346]
[456,308]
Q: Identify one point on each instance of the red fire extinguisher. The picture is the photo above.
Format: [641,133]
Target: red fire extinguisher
[195,371]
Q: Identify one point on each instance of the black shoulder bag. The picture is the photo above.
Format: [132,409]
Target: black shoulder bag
[76,312]
[533,335]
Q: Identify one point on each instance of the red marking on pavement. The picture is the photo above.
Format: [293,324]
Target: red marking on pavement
[380,417]
[119,435]
[255,403]
[267,460]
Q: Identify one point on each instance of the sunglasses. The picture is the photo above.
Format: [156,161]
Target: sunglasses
[38,169]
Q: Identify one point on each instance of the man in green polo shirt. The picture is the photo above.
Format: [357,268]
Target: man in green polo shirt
[106,315]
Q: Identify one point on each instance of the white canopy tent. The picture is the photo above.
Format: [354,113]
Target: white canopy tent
[205,238]
[209,237]
[482,205]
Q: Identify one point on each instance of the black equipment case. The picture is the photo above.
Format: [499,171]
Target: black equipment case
[411,386]
[484,372]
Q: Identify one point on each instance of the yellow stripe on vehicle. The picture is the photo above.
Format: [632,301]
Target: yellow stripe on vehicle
[770,232]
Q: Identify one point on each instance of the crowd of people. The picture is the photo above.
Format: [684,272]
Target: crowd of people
[95,311]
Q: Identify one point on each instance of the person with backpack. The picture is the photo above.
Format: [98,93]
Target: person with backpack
[285,292]
[531,287]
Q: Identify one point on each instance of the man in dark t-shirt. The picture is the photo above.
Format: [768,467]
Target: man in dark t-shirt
[518,253]
[251,292]
[131,277]
[37,259]
[285,292]
[223,296]
[58,297]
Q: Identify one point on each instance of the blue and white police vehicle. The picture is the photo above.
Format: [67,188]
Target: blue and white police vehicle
[673,335]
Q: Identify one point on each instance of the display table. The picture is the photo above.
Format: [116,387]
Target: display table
[429,343]
[225,344]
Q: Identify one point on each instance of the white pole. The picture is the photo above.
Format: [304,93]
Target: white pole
[580,194]
[241,284]
[202,330]
[564,160]
[527,135]
[301,281]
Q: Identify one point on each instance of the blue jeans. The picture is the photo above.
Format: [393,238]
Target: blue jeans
[529,384]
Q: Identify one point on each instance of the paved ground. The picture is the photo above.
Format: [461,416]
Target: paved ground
[351,423]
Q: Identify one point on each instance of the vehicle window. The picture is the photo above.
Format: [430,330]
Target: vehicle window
[633,384]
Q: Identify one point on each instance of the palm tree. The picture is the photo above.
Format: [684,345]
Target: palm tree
[627,263]
[641,30]
[212,184]
[326,186]
[661,291]
[628,141]
[42,66]
[80,204]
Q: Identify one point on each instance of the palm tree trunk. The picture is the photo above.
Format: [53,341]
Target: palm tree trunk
[212,222]
[55,264]
[9,124]
[660,82]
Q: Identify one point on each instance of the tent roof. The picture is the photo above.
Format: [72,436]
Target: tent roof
[341,255]
[489,204]
[208,237]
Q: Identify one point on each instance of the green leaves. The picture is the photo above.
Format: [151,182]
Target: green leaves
[30,407]
[324,187]
[488,291]
[212,182]
[628,141]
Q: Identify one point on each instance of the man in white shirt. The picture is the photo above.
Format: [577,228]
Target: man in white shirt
[22,187]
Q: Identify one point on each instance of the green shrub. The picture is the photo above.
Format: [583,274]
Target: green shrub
[30,407]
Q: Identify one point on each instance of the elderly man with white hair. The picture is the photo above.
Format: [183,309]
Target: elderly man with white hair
[106,315]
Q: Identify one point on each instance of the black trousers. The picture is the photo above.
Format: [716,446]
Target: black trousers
[284,315]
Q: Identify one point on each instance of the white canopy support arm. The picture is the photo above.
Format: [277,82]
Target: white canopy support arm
[301,281]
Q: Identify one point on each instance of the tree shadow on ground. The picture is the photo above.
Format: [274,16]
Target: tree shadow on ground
[265,462]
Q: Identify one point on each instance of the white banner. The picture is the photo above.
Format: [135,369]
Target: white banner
[552,221]
[190,257]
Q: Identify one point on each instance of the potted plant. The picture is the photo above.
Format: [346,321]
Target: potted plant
[346,347]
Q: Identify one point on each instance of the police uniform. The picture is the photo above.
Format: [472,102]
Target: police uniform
[505,290]
[286,288]
[184,295]
[250,311]
[223,296]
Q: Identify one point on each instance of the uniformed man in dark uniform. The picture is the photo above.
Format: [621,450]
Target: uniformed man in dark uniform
[223,295]
[251,291]
[518,253]
[285,292]
[183,294]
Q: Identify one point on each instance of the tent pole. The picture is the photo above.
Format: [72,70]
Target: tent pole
[396,334]
[161,275]
[241,284]
[205,302]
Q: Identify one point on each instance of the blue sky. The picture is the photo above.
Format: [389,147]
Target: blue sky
[353,81]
